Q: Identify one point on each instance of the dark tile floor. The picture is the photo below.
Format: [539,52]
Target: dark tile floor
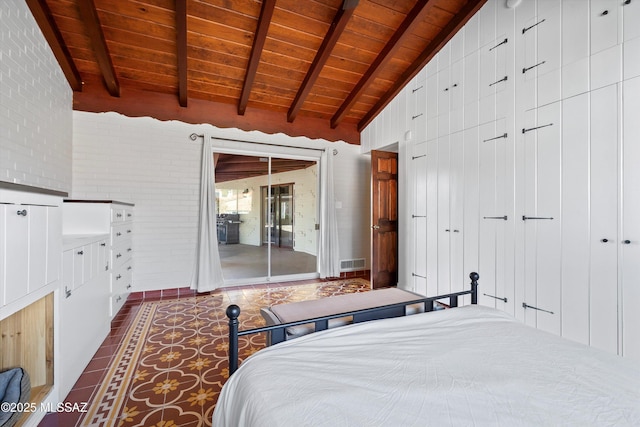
[164,361]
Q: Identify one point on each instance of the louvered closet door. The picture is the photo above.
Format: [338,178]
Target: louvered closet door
[603,323]
[419,219]
[630,231]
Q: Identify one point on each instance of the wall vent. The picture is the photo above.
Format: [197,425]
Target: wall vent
[352,264]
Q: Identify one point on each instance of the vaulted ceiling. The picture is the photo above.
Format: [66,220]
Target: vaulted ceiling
[316,68]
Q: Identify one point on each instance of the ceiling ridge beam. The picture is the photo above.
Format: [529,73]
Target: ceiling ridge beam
[411,20]
[458,21]
[266,14]
[335,31]
[89,15]
[42,14]
[181,44]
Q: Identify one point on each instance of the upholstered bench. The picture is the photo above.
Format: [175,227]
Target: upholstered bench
[296,311]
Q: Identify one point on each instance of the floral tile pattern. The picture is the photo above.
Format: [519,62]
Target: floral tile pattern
[171,361]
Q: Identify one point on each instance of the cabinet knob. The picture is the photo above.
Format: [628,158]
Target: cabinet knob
[118,256]
[80,252]
[23,212]
[118,277]
[626,242]
[606,12]
[447,230]
[103,244]
[604,240]
[118,234]
[119,215]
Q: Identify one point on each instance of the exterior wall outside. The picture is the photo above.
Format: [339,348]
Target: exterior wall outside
[305,206]
[35,105]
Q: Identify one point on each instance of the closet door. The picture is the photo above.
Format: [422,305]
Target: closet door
[541,218]
[419,219]
[630,232]
[548,231]
[576,238]
[456,214]
[433,223]
[444,221]
[603,321]
[493,215]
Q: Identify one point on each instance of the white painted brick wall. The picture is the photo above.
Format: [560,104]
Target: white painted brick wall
[155,165]
[35,105]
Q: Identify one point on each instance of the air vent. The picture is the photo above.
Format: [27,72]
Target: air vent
[352,264]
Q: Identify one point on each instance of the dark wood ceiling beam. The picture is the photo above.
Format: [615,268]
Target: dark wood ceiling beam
[413,18]
[266,13]
[89,15]
[337,27]
[163,106]
[181,42]
[42,14]
[430,51]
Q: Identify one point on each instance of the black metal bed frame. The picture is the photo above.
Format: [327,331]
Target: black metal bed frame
[278,332]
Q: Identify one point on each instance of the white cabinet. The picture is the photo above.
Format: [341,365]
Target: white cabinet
[629,236]
[30,229]
[116,219]
[84,304]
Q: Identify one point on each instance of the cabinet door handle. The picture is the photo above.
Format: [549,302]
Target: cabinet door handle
[604,240]
[118,256]
[118,234]
[626,242]
[119,215]
[118,277]
[80,252]
[103,244]
[23,212]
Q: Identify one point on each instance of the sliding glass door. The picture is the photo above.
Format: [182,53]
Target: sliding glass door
[277,219]
[267,213]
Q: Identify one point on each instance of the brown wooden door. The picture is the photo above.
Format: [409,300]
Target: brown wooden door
[384,206]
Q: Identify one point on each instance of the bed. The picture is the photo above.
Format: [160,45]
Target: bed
[469,365]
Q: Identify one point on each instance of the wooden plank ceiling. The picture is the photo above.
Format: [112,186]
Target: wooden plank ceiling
[231,167]
[316,68]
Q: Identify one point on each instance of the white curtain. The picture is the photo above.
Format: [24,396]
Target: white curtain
[329,252]
[207,274]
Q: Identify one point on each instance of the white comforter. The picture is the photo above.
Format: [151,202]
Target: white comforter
[466,366]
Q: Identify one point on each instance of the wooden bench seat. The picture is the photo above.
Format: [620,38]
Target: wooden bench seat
[296,311]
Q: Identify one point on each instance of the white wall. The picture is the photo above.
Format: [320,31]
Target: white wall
[35,105]
[556,140]
[155,165]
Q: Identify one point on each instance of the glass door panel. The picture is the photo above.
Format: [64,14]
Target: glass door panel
[276,215]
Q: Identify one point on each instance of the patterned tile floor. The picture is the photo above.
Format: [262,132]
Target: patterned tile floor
[164,362]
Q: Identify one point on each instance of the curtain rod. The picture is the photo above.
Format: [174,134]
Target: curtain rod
[194,136]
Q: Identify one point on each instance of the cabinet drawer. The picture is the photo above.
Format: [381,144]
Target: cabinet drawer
[121,254]
[121,213]
[117,301]
[120,233]
[121,279]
